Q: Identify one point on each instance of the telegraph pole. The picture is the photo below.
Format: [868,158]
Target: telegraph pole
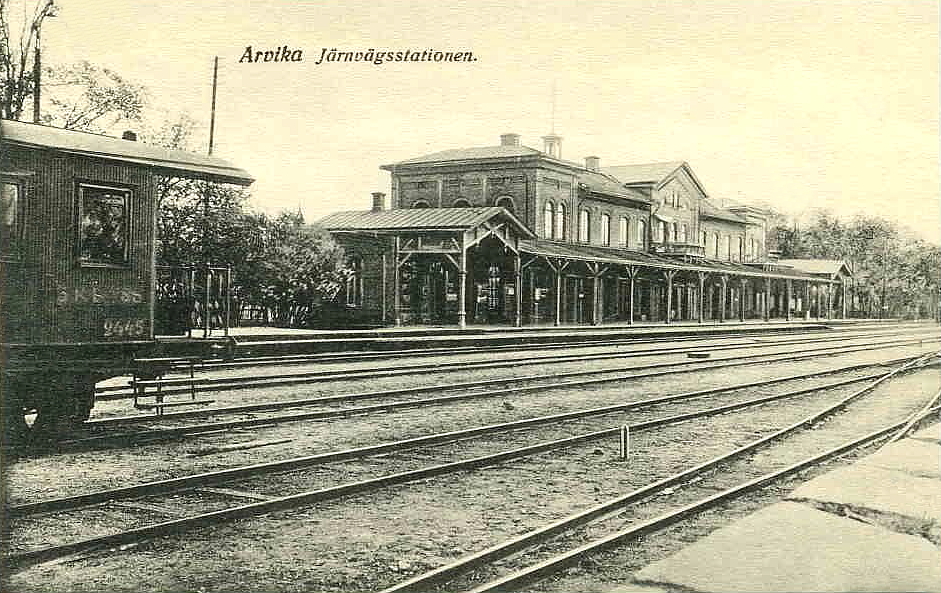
[212,113]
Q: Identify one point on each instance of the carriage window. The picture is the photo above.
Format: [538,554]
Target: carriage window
[461,203]
[103,213]
[9,235]
[420,204]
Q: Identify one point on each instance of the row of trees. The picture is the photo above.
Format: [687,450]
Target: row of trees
[895,273]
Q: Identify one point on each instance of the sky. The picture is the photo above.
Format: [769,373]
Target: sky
[797,104]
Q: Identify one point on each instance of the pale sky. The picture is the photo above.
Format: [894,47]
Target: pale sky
[798,104]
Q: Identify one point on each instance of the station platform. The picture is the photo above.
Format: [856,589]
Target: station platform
[260,341]
[872,526]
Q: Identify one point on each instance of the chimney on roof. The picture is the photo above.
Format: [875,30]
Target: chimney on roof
[378,201]
[552,146]
[129,135]
[509,139]
[593,163]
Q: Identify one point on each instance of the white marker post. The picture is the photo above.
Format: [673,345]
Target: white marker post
[625,443]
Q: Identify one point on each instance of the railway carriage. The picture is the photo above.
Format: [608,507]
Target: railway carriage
[77,270]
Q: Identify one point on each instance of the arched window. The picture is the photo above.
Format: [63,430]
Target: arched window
[624,238]
[506,202]
[674,233]
[715,245]
[560,222]
[728,248]
[461,203]
[642,234]
[548,218]
[684,236]
[605,229]
[584,226]
[420,204]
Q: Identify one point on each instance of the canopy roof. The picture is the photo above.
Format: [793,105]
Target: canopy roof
[171,162]
[419,219]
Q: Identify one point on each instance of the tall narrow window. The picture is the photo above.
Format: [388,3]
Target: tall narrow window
[9,220]
[740,249]
[624,239]
[642,234]
[684,236]
[715,244]
[103,231]
[728,248]
[584,226]
[674,233]
[702,239]
[548,218]
[605,229]
[560,222]
[354,283]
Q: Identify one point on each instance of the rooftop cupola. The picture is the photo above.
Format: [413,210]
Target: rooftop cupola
[552,146]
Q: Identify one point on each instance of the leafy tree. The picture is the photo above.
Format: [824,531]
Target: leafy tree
[894,273]
[83,96]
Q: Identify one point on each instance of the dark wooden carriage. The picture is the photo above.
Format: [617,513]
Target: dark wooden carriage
[77,270]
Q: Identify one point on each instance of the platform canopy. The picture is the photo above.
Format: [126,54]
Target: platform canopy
[168,162]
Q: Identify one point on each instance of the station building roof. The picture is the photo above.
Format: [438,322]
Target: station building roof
[823,267]
[419,219]
[171,162]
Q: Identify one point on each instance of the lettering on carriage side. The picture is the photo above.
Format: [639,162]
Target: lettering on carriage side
[124,328]
[94,295]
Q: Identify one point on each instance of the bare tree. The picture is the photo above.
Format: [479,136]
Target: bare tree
[17,56]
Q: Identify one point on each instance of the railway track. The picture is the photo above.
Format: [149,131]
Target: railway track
[186,384]
[459,392]
[562,552]
[25,558]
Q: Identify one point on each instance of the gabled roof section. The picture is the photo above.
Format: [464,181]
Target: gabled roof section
[419,219]
[468,154]
[604,184]
[644,174]
[173,162]
[828,267]
[710,210]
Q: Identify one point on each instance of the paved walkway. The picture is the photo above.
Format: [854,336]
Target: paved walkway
[871,526]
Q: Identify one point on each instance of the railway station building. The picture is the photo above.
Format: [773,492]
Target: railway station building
[512,235]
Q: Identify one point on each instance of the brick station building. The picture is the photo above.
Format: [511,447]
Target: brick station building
[511,235]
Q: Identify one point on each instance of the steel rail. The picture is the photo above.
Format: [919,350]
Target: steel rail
[22,560]
[122,391]
[552,565]
[175,385]
[175,484]
[426,580]
[671,368]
